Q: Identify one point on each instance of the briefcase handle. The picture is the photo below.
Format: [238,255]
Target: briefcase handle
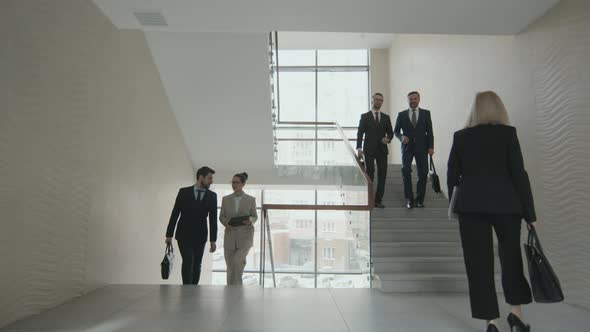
[169,249]
[431,168]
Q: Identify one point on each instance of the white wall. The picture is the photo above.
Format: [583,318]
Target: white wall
[380,82]
[219,89]
[559,53]
[91,156]
[448,71]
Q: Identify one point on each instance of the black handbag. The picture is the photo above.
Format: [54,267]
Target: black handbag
[544,282]
[166,265]
[433,176]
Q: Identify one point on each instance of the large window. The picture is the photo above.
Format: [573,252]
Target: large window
[319,86]
[310,248]
[319,248]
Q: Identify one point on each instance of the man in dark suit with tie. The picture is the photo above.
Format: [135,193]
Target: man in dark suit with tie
[194,205]
[376,129]
[413,128]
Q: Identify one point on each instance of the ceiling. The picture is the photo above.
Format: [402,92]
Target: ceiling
[487,17]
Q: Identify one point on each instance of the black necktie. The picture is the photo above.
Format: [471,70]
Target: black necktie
[414,118]
[200,194]
[377,118]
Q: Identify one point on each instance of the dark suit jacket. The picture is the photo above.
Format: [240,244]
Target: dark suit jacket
[374,133]
[421,137]
[486,162]
[192,226]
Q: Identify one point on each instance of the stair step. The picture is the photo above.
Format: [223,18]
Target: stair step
[397,180]
[424,282]
[397,173]
[418,265]
[418,235]
[415,249]
[378,224]
[401,212]
[398,202]
[399,194]
[414,282]
[398,188]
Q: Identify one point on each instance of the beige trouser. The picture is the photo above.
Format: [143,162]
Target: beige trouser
[236,245]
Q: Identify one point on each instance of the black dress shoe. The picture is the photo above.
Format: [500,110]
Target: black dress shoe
[380,205]
[420,205]
[409,204]
[492,328]
[516,325]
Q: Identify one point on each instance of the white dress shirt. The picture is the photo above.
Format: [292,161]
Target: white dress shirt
[237,202]
[199,192]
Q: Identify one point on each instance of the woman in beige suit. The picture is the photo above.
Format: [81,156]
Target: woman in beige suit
[238,215]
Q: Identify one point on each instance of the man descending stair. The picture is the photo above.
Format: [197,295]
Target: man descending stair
[376,129]
[413,128]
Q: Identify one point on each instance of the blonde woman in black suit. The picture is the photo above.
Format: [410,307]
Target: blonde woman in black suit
[494,194]
[238,215]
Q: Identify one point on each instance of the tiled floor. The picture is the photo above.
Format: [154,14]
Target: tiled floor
[216,308]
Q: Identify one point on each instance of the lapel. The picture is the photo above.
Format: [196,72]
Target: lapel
[421,115]
[381,116]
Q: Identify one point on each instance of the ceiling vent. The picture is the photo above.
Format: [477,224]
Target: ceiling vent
[150,19]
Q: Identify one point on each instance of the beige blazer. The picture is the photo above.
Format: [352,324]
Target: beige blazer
[243,236]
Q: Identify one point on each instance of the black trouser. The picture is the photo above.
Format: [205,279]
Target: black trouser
[381,160]
[422,167]
[192,256]
[478,252]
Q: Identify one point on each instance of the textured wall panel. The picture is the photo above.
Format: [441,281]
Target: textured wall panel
[560,45]
[90,155]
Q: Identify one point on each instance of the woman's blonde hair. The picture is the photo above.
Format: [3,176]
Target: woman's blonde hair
[487,108]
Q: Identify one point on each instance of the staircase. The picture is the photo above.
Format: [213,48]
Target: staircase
[416,250]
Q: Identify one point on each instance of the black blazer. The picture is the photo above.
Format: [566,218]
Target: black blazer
[192,226]
[421,137]
[486,163]
[374,133]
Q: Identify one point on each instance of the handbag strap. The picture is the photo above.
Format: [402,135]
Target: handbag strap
[533,239]
[169,249]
